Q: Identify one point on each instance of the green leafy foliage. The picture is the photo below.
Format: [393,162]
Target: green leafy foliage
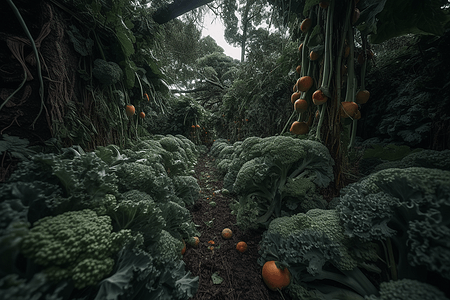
[322,261]
[408,207]
[71,213]
[77,245]
[138,274]
[138,212]
[13,287]
[424,158]
[274,176]
[15,146]
[400,17]
[106,72]
[405,289]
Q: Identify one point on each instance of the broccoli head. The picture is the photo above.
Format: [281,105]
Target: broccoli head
[186,188]
[314,247]
[280,174]
[408,207]
[138,212]
[107,72]
[78,245]
[407,289]
[168,247]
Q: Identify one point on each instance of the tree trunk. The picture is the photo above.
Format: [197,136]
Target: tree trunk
[175,9]
[245,20]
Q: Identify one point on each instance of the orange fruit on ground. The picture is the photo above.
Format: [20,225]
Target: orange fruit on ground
[241,247]
[299,128]
[227,233]
[274,277]
[304,83]
[194,241]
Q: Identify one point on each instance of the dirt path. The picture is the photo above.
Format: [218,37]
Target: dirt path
[240,272]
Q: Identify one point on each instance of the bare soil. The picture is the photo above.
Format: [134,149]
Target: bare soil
[240,272]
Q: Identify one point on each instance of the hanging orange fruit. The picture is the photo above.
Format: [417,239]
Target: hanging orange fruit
[130,110]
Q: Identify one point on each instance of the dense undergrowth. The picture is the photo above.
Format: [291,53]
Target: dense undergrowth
[384,233]
[107,224]
[111,223]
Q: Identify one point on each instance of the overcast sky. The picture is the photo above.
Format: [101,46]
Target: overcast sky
[214,28]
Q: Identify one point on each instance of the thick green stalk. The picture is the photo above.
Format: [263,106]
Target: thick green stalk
[327,66]
[339,58]
[288,122]
[364,66]
[350,93]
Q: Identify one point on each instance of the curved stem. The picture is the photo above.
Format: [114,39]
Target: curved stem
[288,122]
[38,62]
[350,94]
[18,89]
[364,66]
[328,65]
[321,117]
[339,58]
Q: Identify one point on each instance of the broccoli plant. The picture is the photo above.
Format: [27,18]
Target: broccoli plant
[405,210]
[323,262]
[276,175]
[407,289]
[140,275]
[76,245]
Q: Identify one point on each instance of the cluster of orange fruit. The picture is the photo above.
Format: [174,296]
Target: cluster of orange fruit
[130,111]
[226,234]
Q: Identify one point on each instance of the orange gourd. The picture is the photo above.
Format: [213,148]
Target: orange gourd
[130,110]
[348,109]
[274,277]
[299,128]
[304,83]
[314,56]
[295,96]
[241,247]
[306,25]
[227,233]
[300,105]
[362,96]
[319,97]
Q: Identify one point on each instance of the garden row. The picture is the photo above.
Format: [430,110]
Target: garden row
[386,236]
[108,224]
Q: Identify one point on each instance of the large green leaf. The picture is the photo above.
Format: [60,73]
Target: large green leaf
[401,17]
[367,22]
